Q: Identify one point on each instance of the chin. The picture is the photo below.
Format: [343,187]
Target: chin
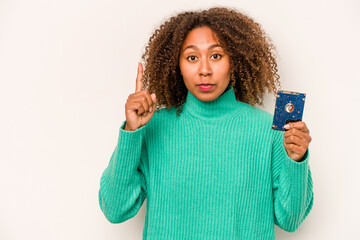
[207,97]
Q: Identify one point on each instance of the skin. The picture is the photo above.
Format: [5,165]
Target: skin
[139,104]
[296,140]
[203,60]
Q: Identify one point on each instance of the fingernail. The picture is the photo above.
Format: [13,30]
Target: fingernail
[287,126]
[144,114]
[150,109]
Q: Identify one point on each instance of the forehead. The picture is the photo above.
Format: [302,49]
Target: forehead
[200,36]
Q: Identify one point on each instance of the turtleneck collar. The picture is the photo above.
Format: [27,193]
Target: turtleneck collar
[224,106]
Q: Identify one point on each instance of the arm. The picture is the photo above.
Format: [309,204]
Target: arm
[123,183]
[292,186]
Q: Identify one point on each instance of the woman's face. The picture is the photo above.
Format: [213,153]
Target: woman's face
[204,61]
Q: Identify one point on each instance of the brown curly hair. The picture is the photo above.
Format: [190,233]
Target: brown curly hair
[252,59]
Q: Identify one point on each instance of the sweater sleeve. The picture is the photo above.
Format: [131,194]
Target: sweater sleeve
[292,186]
[123,183]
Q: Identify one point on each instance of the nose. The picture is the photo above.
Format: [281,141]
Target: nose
[205,68]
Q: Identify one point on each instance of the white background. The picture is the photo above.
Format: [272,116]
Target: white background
[67,68]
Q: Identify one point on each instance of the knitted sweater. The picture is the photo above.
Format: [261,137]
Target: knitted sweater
[218,171]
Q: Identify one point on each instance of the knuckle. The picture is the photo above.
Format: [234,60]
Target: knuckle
[138,105]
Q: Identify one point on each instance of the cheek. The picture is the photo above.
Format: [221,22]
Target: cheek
[182,67]
[224,70]
[187,70]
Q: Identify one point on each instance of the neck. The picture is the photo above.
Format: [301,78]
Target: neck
[224,106]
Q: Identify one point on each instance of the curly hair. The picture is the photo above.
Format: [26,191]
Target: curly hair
[253,67]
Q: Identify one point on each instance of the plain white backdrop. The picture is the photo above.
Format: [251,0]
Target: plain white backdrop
[67,68]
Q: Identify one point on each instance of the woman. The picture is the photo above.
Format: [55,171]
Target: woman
[208,161]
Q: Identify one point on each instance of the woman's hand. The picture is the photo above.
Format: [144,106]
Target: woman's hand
[296,140]
[140,106]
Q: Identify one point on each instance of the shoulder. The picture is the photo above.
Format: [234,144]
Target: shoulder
[162,116]
[165,113]
[256,114]
[255,120]
[161,124]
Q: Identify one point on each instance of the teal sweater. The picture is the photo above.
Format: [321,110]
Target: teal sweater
[219,171]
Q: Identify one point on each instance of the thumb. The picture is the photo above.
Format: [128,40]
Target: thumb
[153,97]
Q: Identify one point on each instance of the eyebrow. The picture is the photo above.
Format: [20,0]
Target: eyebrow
[196,48]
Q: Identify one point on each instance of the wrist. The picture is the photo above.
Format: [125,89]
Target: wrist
[126,128]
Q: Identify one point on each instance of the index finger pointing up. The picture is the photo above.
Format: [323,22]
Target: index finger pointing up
[139,78]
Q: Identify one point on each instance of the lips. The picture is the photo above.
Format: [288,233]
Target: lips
[206,87]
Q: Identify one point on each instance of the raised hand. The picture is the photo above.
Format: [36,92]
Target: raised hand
[140,106]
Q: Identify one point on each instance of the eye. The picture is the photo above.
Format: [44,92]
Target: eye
[216,56]
[191,58]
